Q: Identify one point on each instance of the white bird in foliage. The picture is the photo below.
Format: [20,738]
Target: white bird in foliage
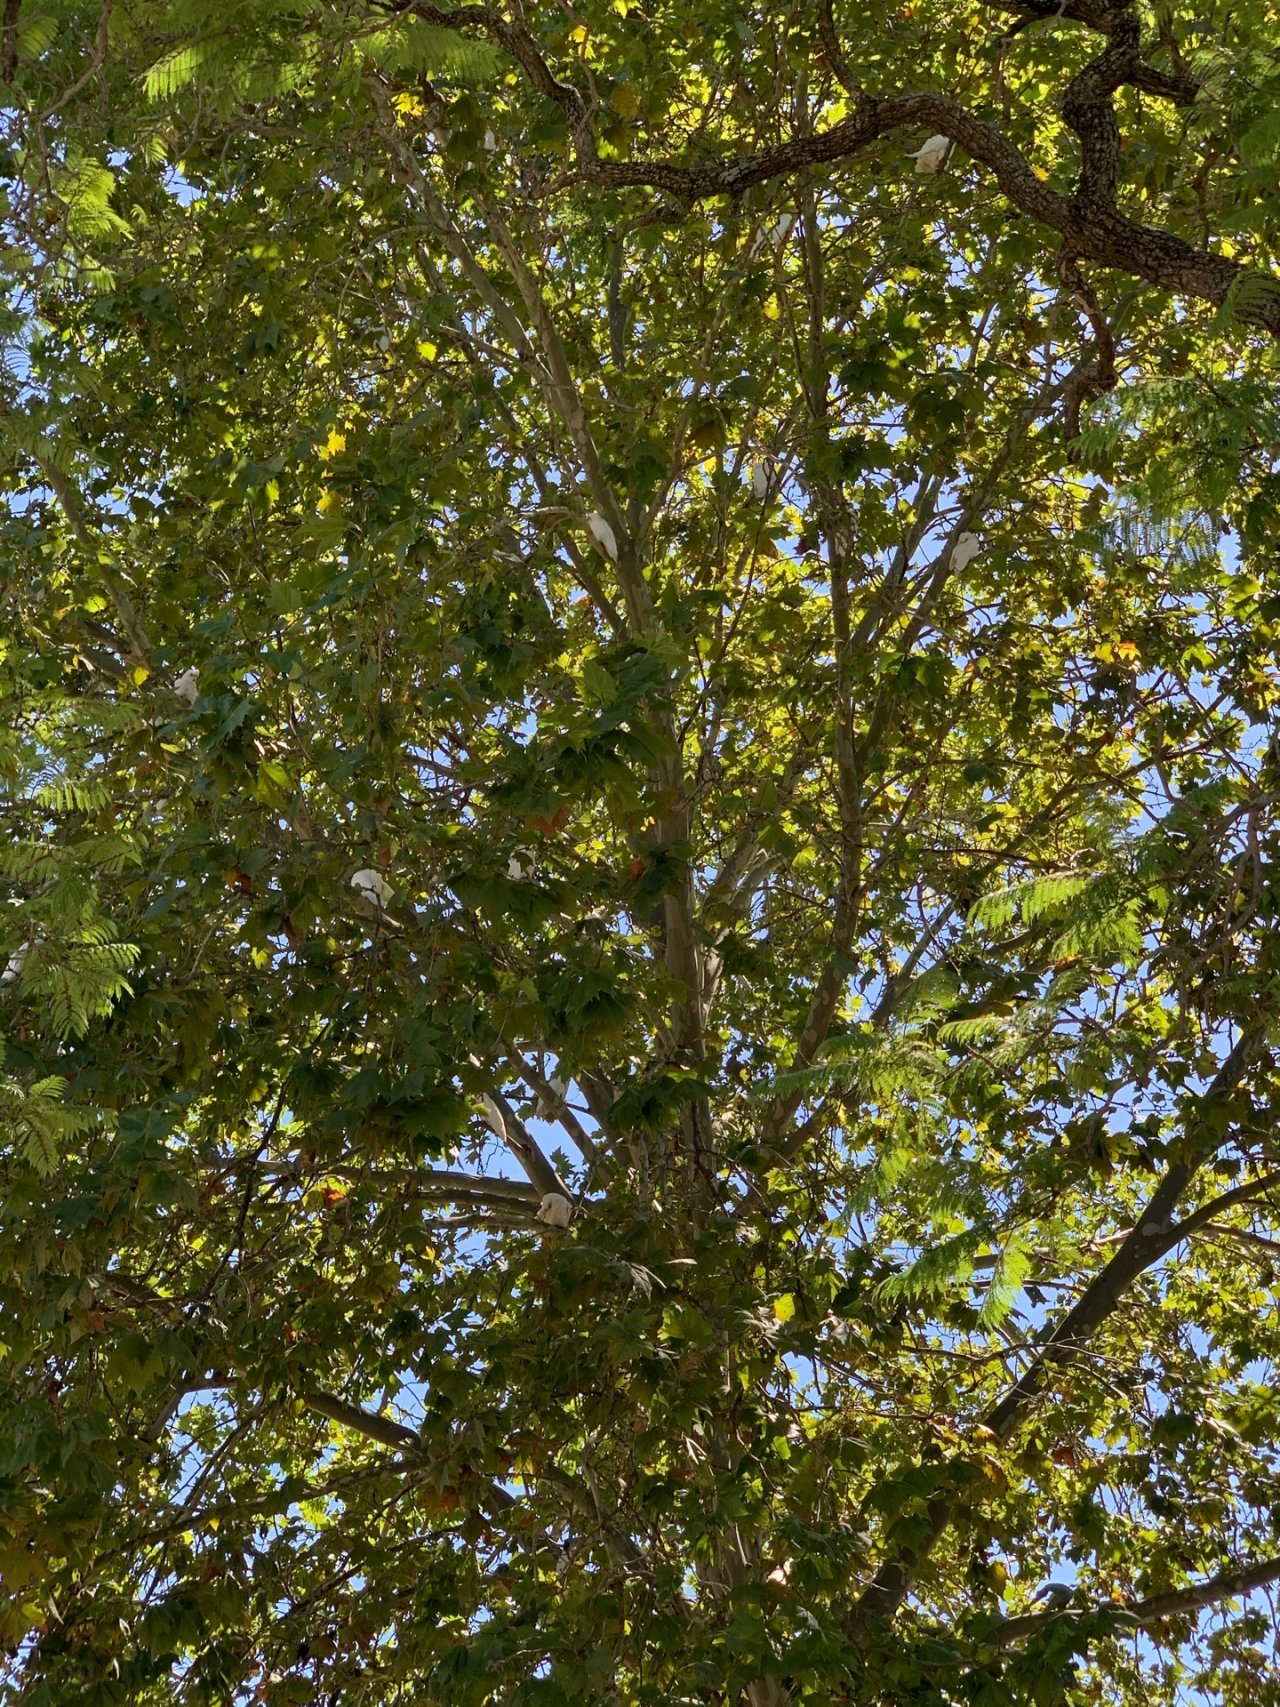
[781,229]
[372,888]
[493,1117]
[932,156]
[187,686]
[553,1099]
[602,535]
[760,477]
[966,548]
[555,1210]
[490,142]
[13,971]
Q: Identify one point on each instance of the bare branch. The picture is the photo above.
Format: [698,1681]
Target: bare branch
[382,1429]
[1227,1585]
[91,70]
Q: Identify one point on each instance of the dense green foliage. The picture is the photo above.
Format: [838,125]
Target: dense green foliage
[783,641]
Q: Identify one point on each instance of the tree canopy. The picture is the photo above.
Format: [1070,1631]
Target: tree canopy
[639,862]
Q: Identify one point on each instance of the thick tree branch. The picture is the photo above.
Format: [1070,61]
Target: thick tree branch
[528,1152]
[1093,226]
[382,1429]
[440,1184]
[1227,1585]
[1155,1234]
[493,1498]
[1178,87]
[1208,1213]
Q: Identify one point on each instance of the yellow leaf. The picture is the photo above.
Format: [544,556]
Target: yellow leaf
[332,445]
[328,501]
[771,309]
[784,1308]
[426,349]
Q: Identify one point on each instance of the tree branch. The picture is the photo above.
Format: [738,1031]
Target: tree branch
[1209,1212]
[1154,1235]
[1227,1585]
[69,502]
[1092,224]
[493,1497]
[440,1183]
[382,1429]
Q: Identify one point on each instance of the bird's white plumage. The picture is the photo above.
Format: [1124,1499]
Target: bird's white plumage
[555,1210]
[493,1117]
[966,548]
[603,535]
[13,970]
[781,229]
[371,885]
[760,478]
[552,1100]
[932,156]
[187,686]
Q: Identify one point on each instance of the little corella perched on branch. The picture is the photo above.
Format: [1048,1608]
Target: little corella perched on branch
[187,686]
[553,1099]
[963,552]
[603,535]
[931,157]
[373,892]
[781,229]
[493,1117]
[555,1210]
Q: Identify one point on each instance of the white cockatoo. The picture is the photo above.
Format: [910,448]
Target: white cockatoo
[760,477]
[187,686]
[555,1210]
[13,969]
[602,535]
[372,888]
[932,156]
[781,229]
[493,1117]
[966,548]
[553,1099]
[490,142]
